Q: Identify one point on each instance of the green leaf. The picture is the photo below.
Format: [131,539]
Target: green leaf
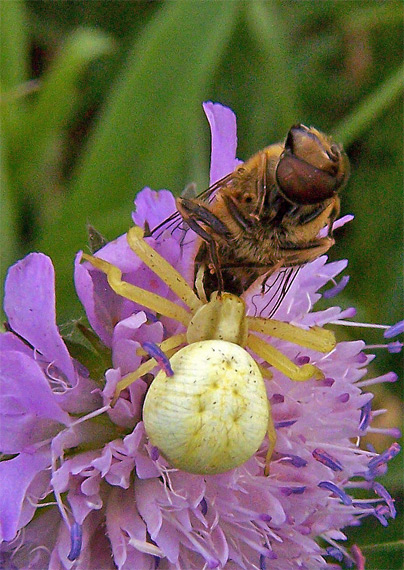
[369,109]
[270,32]
[153,113]
[375,15]
[8,249]
[396,545]
[57,97]
[13,63]
[13,46]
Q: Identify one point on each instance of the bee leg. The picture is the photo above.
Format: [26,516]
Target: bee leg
[192,210]
[213,251]
[237,215]
[309,252]
[330,214]
[307,217]
[195,214]
[333,216]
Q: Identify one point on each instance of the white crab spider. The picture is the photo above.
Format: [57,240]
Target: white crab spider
[212,414]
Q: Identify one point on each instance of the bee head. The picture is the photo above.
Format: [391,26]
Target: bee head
[312,168]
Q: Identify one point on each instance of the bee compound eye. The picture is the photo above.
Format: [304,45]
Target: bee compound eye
[301,183]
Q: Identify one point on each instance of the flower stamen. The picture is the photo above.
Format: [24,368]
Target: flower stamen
[159,356]
[346,499]
[326,459]
[76,541]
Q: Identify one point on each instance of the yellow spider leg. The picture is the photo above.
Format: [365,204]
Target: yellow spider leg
[271,443]
[199,284]
[162,268]
[137,294]
[265,372]
[282,362]
[169,346]
[316,338]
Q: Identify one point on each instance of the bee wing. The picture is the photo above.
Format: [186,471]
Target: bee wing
[175,221]
[271,292]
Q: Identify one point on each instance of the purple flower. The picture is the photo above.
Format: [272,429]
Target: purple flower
[41,385]
[104,497]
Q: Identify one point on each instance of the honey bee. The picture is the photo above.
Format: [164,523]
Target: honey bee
[268,213]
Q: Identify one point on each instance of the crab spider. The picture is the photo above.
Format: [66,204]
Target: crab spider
[223,318]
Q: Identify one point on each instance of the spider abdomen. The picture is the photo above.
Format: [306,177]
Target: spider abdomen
[212,414]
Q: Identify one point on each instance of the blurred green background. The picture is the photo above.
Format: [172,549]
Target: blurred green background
[100,98]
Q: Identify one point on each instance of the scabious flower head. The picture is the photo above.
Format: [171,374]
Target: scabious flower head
[103,497]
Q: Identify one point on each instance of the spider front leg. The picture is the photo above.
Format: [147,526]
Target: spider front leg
[137,294]
[162,268]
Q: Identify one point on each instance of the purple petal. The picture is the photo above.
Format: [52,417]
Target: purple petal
[29,303]
[342,221]
[27,403]
[16,475]
[128,328]
[334,291]
[123,523]
[83,281]
[153,207]
[223,128]
[104,308]
[124,346]
[10,341]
